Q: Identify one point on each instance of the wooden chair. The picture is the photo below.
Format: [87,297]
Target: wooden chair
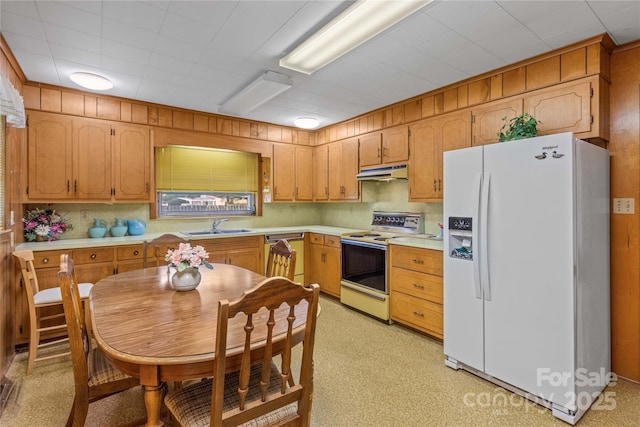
[159,247]
[282,260]
[94,377]
[39,300]
[258,393]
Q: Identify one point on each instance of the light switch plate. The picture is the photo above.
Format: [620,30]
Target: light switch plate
[624,206]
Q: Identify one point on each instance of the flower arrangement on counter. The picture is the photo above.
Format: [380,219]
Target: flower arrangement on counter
[186,256]
[44,225]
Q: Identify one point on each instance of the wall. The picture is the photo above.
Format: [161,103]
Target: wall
[624,147]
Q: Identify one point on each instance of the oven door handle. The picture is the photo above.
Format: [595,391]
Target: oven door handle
[364,244]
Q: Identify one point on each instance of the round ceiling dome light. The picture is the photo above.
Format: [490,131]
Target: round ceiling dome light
[91,81]
[306,122]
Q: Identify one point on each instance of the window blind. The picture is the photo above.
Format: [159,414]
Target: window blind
[203,169]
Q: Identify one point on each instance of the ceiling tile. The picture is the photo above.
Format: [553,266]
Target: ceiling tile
[69,17]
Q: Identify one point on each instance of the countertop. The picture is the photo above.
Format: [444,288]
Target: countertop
[418,242]
[132,240]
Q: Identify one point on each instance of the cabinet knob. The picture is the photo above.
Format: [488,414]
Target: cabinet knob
[418,286]
[136,252]
[418,261]
[93,256]
[45,260]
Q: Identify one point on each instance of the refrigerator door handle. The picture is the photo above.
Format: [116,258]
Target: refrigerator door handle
[484,244]
[477,188]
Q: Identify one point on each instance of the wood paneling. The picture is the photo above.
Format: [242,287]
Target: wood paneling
[624,146]
[50,100]
[543,73]
[479,91]
[513,82]
[573,64]
[72,103]
[183,120]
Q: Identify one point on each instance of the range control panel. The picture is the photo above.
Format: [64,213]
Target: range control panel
[403,222]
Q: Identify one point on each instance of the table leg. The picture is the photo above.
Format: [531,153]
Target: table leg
[153,395]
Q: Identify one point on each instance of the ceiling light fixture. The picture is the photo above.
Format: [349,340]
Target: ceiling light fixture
[265,87]
[91,81]
[357,24]
[306,122]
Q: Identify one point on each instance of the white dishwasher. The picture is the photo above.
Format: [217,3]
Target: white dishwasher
[296,240]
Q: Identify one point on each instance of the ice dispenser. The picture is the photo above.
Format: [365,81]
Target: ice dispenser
[460,238]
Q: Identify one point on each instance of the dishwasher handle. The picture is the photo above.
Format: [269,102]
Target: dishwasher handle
[273,238]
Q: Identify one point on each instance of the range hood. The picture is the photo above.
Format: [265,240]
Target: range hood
[385,173]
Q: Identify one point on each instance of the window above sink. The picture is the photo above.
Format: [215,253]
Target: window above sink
[198,204]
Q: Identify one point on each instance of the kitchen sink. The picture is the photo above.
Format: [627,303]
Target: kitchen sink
[212,232]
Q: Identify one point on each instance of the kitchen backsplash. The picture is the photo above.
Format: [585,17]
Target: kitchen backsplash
[384,196]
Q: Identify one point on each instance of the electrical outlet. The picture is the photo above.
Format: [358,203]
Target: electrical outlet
[84,214]
[624,206]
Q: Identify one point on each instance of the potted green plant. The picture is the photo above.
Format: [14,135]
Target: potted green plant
[519,127]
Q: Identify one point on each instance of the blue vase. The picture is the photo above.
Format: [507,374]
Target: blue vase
[136,227]
[99,228]
[119,229]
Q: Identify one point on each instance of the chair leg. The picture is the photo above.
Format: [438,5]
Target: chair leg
[70,417]
[34,341]
[87,317]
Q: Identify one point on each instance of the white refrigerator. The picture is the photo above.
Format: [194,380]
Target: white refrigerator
[526,268]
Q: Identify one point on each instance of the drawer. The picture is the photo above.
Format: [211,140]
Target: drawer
[418,313]
[47,258]
[333,241]
[130,252]
[418,259]
[92,255]
[316,239]
[420,285]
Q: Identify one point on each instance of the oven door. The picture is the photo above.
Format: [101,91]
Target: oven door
[365,264]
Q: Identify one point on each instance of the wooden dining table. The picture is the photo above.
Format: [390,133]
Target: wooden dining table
[150,331]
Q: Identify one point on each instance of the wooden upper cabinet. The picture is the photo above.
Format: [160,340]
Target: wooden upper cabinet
[50,156]
[371,149]
[488,119]
[390,146]
[91,159]
[78,159]
[428,140]
[283,172]
[561,108]
[321,173]
[304,173]
[424,168]
[395,145]
[343,168]
[132,163]
[292,173]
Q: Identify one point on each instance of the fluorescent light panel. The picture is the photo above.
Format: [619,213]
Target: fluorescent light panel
[360,22]
[261,90]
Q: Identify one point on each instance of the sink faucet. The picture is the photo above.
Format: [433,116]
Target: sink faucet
[217,222]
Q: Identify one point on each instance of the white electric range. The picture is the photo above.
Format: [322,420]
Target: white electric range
[365,261]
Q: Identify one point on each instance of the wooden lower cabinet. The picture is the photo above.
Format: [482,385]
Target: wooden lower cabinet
[323,263]
[416,289]
[129,258]
[245,252]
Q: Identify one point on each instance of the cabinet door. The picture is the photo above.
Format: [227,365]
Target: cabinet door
[132,160]
[304,173]
[316,265]
[350,184]
[283,172]
[489,118]
[455,131]
[245,258]
[371,149]
[332,270]
[91,159]
[423,164]
[335,171]
[321,173]
[49,156]
[562,108]
[395,145]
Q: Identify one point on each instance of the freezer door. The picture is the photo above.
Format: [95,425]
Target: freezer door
[529,319]
[463,304]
